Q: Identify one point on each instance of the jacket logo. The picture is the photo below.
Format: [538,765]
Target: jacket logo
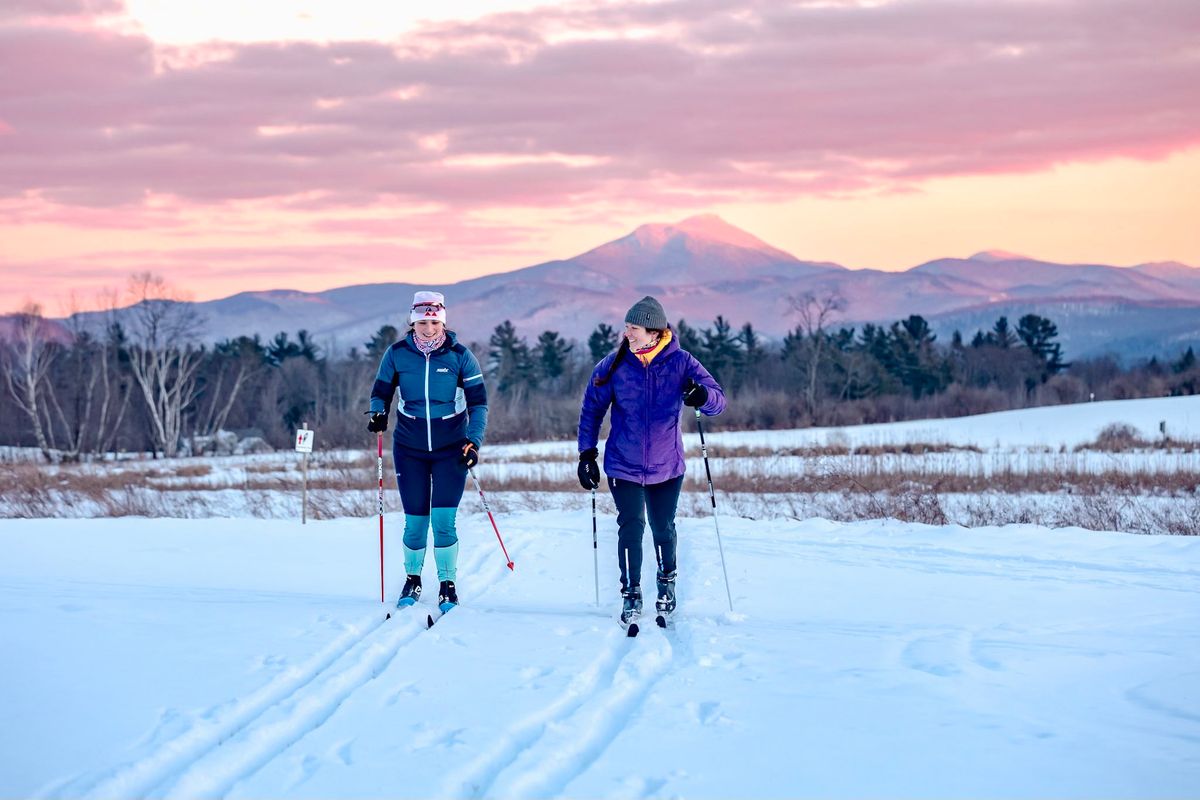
[443,369]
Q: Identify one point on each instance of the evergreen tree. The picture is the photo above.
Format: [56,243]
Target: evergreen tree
[509,360]
[280,349]
[750,342]
[1038,334]
[916,363]
[553,354]
[751,357]
[380,341]
[720,348]
[1001,335]
[1185,363]
[688,337]
[306,348]
[602,341]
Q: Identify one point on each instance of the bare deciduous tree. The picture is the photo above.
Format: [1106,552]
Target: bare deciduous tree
[815,313]
[163,356]
[27,363]
[114,384]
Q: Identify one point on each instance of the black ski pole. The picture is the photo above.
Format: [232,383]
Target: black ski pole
[712,496]
[595,553]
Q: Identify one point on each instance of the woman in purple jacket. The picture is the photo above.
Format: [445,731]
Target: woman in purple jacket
[645,382]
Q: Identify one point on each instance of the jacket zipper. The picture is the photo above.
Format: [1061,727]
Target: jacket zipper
[428,419]
[646,440]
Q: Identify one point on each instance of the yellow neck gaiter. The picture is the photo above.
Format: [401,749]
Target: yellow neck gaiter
[648,356]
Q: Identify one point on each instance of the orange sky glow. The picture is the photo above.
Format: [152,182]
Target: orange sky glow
[317,144]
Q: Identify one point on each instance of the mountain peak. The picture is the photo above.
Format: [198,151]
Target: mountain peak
[991,256]
[708,228]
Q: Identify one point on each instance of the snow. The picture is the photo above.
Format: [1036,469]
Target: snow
[1043,429]
[250,658]
[238,653]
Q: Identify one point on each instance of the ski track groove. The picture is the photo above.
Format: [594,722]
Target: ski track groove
[214,773]
[571,753]
[603,697]
[139,777]
[180,763]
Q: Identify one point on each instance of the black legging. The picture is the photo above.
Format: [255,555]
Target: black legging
[635,503]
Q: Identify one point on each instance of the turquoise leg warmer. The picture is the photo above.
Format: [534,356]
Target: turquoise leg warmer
[416,535]
[446,559]
[445,543]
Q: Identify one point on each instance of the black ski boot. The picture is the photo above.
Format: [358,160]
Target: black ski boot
[411,592]
[447,596]
[631,609]
[664,606]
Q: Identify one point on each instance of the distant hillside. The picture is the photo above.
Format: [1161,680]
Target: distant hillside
[702,267]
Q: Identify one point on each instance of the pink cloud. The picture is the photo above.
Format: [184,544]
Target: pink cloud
[23,9]
[818,100]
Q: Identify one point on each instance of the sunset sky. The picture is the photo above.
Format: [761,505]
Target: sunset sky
[230,145]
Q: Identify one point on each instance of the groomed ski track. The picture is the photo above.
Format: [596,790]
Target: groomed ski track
[229,743]
[976,639]
[537,755]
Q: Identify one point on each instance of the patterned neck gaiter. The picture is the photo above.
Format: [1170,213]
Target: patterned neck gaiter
[427,346]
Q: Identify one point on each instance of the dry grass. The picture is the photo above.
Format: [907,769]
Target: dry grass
[344,485]
[1121,438]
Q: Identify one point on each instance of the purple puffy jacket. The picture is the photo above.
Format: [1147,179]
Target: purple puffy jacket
[645,444]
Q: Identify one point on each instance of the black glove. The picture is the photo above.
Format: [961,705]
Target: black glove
[378,423]
[589,471]
[470,454]
[694,394]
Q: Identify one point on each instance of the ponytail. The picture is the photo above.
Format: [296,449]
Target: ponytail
[621,351]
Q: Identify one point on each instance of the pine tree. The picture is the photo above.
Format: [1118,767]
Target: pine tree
[916,362]
[720,349]
[751,356]
[281,348]
[1038,333]
[306,348]
[380,341]
[1001,335]
[688,337]
[602,341]
[509,360]
[552,354]
[1186,362]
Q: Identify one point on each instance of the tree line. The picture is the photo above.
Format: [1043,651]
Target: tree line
[144,383]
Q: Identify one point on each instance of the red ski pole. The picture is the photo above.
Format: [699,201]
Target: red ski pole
[488,509]
[380,464]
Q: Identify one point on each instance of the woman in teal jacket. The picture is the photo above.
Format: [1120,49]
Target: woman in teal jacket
[441,417]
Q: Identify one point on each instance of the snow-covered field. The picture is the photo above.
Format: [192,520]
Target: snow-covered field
[206,658]
[240,657]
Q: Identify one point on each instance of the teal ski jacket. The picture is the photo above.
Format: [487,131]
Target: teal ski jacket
[442,399]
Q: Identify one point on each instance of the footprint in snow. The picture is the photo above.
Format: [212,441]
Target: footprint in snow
[707,713]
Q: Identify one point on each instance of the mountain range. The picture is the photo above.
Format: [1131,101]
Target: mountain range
[703,266]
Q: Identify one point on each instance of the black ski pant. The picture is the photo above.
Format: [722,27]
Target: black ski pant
[635,503]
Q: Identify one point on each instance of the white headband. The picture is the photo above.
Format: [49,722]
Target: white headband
[428,305]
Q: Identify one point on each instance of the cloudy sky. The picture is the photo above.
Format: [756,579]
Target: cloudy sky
[231,145]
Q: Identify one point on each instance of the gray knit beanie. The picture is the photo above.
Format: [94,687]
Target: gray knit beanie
[648,313]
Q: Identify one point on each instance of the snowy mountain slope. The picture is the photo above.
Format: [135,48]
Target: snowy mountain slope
[248,658]
[702,267]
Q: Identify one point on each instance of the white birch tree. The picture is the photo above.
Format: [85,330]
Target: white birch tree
[27,360]
[164,355]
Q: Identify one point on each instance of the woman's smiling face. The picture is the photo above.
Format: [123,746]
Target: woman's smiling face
[639,337]
[428,328]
